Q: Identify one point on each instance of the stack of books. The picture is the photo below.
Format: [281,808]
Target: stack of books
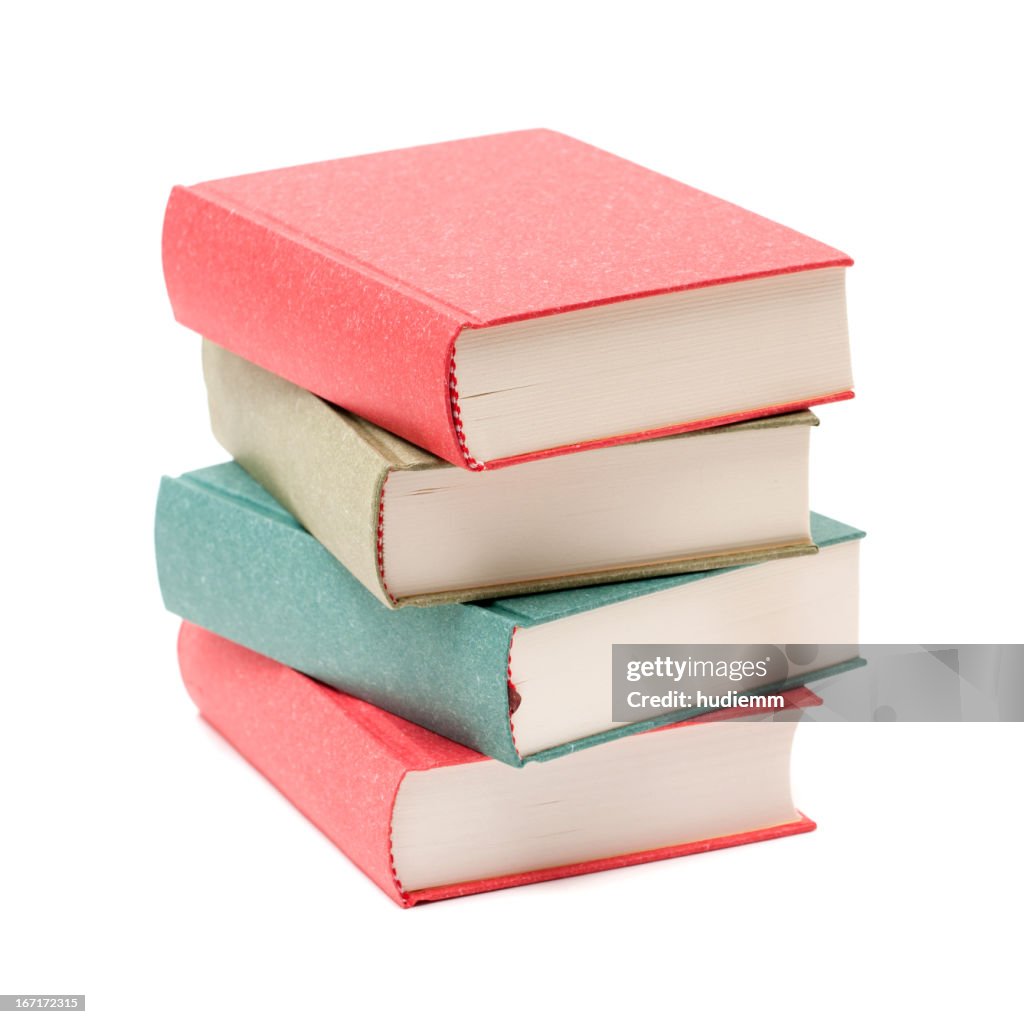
[494,406]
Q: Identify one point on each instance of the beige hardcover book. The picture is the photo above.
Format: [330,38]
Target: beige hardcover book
[416,530]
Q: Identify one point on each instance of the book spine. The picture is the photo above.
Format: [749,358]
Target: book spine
[313,316]
[310,458]
[341,776]
[263,582]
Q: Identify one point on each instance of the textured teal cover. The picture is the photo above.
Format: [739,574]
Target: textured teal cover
[231,560]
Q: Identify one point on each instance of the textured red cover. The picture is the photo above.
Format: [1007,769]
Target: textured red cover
[353,278]
[341,761]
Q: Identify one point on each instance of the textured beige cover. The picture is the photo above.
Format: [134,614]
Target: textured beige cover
[328,468]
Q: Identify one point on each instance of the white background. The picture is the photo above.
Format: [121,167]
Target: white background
[141,860]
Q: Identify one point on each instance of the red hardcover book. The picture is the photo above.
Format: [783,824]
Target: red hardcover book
[504,298]
[427,819]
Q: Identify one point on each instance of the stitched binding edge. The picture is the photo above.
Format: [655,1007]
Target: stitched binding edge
[460,433]
[380,540]
[405,899]
[512,689]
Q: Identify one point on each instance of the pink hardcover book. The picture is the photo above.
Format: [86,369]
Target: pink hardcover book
[505,298]
[427,819]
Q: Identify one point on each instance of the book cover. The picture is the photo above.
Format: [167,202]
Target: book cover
[233,561]
[330,470]
[354,278]
[341,761]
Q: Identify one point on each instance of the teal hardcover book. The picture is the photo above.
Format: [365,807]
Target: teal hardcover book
[518,679]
